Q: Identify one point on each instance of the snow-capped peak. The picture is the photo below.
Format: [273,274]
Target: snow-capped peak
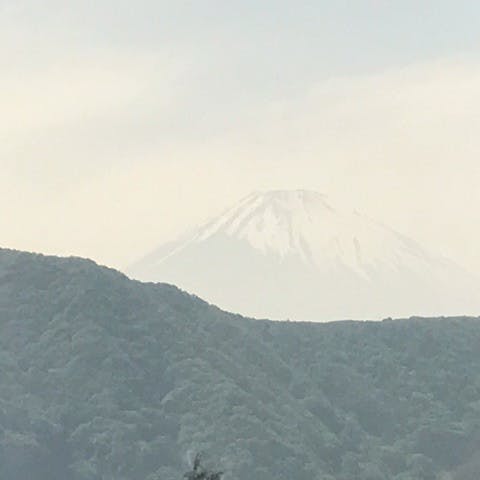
[302,223]
[290,254]
[272,222]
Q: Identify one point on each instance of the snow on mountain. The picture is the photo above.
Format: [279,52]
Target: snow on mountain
[290,254]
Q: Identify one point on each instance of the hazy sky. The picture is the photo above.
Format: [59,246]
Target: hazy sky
[123,123]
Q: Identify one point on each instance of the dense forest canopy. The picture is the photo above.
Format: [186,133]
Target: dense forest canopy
[105,378]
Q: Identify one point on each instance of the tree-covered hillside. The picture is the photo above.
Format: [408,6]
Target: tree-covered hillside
[104,378]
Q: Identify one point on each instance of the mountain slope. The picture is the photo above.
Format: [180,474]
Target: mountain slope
[289,254]
[104,378]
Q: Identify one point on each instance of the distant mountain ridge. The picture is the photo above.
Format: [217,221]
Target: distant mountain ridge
[290,254]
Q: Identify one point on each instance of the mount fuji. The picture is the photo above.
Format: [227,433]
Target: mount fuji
[291,255]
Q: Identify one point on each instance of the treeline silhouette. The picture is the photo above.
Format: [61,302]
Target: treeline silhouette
[106,378]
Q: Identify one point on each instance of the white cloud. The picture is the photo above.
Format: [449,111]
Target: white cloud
[71,92]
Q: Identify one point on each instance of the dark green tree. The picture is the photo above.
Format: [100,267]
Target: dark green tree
[199,472]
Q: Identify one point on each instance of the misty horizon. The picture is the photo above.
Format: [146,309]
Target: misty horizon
[111,122]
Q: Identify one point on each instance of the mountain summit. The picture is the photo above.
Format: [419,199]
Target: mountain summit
[290,254]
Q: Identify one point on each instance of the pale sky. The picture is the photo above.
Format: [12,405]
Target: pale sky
[124,123]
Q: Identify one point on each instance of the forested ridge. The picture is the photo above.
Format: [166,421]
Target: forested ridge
[105,378]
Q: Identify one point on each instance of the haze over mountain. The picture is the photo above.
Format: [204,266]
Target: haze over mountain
[290,254]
